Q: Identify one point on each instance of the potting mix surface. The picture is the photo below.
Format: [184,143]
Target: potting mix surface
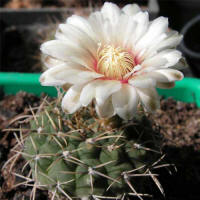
[179,124]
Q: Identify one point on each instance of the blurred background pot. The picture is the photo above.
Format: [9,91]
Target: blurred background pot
[179,12]
[190,45]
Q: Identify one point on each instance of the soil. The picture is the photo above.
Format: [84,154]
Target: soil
[178,122]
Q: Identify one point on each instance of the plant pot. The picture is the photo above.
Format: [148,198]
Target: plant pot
[190,45]
[187,90]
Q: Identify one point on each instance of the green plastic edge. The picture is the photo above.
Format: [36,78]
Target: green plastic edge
[186,90]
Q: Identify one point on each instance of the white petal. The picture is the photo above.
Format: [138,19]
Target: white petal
[71,73]
[99,26]
[153,75]
[168,40]
[171,41]
[121,27]
[75,35]
[70,102]
[105,110]
[152,49]
[111,16]
[105,89]
[111,12]
[142,20]
[149,98]
[156,28]
[125,102]
[172,56]
[169,75]
[88,92]
[182,64]
[134,70]
[50,61]
[165,85]
[161,76]
[131,9]
[127,31]
[82,24]
[66,52]
[153,63]
[142,82]
[58,49]
[164,59]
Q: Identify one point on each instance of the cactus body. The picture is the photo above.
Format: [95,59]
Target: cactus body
[77,156]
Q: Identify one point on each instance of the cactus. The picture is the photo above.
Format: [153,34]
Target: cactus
[85,157]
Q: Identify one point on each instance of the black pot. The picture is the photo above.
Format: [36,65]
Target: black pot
[190,45]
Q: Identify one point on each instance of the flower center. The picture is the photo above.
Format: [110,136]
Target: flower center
[114,63]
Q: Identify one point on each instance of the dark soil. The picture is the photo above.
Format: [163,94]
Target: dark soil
[178,122]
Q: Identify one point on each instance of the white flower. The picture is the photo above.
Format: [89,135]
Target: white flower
[115,56]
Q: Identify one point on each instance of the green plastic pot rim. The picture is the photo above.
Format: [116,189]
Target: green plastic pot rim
[186,90]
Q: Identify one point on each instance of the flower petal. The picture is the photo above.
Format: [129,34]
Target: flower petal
[105,110]
[158,76]
[99,26]
[182,64]
[142,82]
[142,20]
[126,31]
[164,59]
[101,89]
[72,34]
[105,89]
[168,75]
[83,24]
[153,63]
[125,102]
[70,102]
[156,28]
[88,92]
[131,9]
[171,41]
[50,61]
[149,98]
[72,73]
[111,12]
[172,56]
[65,51]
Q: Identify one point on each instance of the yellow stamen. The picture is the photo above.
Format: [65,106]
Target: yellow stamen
[114,62]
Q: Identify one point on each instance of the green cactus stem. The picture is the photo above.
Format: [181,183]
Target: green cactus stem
[81,156]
